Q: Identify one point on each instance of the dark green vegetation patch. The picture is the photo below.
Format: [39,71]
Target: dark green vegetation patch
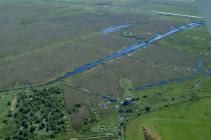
[37,112]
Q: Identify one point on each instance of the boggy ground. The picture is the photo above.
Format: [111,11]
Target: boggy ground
[39,43]
[152,64]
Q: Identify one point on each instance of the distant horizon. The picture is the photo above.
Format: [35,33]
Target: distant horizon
[205,9]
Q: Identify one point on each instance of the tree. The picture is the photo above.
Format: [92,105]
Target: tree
[147,109]
[8,103]
[52,136]
[32,129]
[9,114]
[7,138]
[4,121]
[42,126]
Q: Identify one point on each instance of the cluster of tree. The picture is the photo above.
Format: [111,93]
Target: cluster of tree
[38,110]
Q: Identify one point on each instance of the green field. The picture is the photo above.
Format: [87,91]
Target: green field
[188,121]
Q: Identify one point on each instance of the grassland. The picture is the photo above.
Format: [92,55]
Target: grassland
[174,122]
[189,120]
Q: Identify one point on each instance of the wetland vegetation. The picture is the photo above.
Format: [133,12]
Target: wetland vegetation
[80,70]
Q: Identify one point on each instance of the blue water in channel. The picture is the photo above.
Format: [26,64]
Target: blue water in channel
[198,70]
[115,28]
[126,51]
[209,71]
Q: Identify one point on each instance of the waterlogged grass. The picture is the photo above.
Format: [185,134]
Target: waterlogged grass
[195,41]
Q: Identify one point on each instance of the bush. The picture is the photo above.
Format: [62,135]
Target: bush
[130,34]
[194,97]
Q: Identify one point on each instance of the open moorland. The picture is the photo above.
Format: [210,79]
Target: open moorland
[104,70]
